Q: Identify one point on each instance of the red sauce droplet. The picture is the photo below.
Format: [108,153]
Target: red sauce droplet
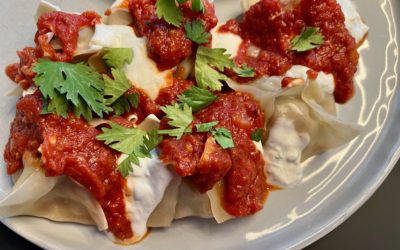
[312,74]
[286,81]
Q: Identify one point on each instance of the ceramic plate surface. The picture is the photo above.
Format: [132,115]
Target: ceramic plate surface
[336,183]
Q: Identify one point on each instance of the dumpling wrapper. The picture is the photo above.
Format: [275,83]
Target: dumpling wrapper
[64,200]
[119,14]
[55,198]
[305,111]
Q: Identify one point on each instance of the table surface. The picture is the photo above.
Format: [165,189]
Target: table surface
[376,225]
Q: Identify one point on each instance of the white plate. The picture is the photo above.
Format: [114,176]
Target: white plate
[336,184]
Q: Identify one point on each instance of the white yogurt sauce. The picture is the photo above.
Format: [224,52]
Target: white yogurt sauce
[147,184]
[283,152]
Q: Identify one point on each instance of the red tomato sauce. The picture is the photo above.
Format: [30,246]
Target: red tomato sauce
[21,73]
[268,28]
[167,45]
[69,147]
[241,168]
[168,95]
[66,27]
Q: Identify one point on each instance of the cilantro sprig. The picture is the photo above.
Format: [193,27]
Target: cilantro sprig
[124,104]
[207,58]
[196,32]
[223,137]
[117,57]
[210,62]
[180,118]
[257,135]
[244,71]
[115,87]
[133,142]
[79,88]
[309,39]
[197,98]
[75,85]
[206,127]
[170,12]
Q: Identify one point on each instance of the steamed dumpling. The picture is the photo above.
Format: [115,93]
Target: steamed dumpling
[55,198]
[304,114]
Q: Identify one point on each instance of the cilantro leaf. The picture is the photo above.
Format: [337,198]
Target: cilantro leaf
[223,137]
[117,57]
[244,71]
[206,76]
[115,88]
[257,135]
[197,98]
[124,104]
[73,80]
[122,139]
[197,6]
[125,167]
[169,11]
[133,99]
[215,57]
[58,105]
[133,142]
[180,117]
[83,110]
[196,32]
[309,39]
[206,127]
[120,106]
[151,140]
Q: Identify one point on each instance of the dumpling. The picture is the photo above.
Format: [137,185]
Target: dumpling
[55,198]
[304,114]
[62,199]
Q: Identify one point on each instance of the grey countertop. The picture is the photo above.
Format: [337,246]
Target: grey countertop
[376,225]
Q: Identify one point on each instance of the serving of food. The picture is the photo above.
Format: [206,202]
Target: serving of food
[157,110]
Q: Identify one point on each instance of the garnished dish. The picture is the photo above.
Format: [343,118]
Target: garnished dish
[156,111]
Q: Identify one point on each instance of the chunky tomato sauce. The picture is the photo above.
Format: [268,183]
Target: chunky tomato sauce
[240,168]
[167,44]
[168,95]
[269,26]
[66,27]
[69,147]
[21,73]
